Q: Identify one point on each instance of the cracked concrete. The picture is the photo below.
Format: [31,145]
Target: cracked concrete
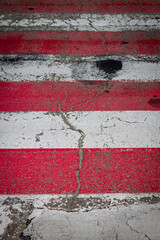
[80,142]
[130,226]
[107,216]
[32,211]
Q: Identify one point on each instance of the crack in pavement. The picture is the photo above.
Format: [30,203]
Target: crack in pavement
[132,229]
[147,237]
[131,226]
[100,33]
[69,228]
[23,211]
[100,226]
[129,122]
[80,143]
[92,99]
[82,134]
[116,236]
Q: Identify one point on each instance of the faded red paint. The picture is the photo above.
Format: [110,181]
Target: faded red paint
[80,43]
[80,6]
[116,96]
[43,171]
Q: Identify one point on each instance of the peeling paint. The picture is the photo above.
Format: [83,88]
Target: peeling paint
[100,129]
[79,22]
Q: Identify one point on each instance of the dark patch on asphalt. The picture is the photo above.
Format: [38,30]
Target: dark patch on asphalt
[97,68]
[12,60]
[109,66]
[154,102]
[19,59]
[123,42]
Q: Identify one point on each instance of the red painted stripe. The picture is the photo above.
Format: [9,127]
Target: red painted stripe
[80,6]
[80,43]
[84,96]
[37,171]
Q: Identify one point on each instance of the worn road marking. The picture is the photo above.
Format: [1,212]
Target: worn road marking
[124,129]
[80,43]
[72,68]
[79,96]
[44,171]
[87,6]
[79,22]
[86,135]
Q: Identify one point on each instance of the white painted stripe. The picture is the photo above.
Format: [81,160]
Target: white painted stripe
[71,68]
[79,22]
[110,129]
